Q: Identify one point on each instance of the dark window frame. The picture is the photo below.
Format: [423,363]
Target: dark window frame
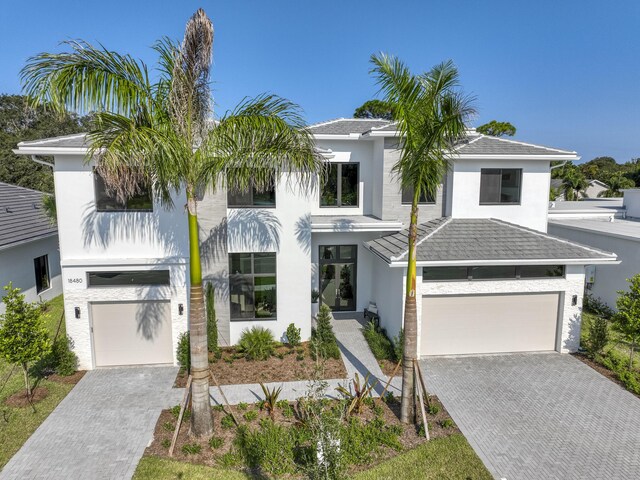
[423,200]
[99,185]
[164,282]
[518,268]
[338,204]
[41,271]
[485,171]
[252,203]
[252,276]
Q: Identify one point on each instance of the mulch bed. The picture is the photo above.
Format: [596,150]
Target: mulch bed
[209,456]
[69,380]
[602,370]
[20,399]
[285,366]
[387,367]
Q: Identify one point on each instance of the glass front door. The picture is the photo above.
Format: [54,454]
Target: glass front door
[338,268]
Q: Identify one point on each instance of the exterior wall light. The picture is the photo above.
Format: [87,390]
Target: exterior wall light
[180,309]
[77,311]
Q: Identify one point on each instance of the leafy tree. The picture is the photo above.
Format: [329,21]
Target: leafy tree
[163,135]
[432,116]
[374,109]
[20,121]
[23,333]
[627,319]
[616,183]
[497,129]
[574,183]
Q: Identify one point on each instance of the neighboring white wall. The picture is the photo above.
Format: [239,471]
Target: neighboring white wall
[285,230]
[76,294]
[631,201]
[608,278]
[593,190]
[572,284]
[17,267]
[534,199]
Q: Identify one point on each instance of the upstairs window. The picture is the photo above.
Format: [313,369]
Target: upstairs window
[341,186]
[500,186]
[43,281]
[425,198]
[253,198]
[107,201]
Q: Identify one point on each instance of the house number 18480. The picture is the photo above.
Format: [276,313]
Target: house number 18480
[74,280]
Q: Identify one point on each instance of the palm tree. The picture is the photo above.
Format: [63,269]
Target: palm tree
[615,184]
[574,183]
[162,135]
[431,114]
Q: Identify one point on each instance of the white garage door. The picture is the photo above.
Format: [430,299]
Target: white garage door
[136,333]
[468,324]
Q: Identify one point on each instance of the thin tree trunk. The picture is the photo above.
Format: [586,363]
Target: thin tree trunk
[633,347]
[27,385]
[201,421]
[407,406]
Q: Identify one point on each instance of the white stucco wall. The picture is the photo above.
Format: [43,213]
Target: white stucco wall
[631,201]
[16,266]
[388,294]
[76,294]
[532,210]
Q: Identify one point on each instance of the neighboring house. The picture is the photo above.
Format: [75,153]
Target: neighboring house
[593,190]
[612,225]
[29,256]
[491,279]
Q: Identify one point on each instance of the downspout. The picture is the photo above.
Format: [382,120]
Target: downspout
[34,158]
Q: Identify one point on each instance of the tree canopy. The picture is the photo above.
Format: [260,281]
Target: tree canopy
[497,129]
[375,109]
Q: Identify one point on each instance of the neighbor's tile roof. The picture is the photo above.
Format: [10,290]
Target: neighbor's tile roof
[465,239]
[21,216]
[65,141]
[346,126]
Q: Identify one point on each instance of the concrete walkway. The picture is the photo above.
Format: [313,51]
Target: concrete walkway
[100,429]
[534,416]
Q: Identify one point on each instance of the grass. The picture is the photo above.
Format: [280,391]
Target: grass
[17,424]
[442,458]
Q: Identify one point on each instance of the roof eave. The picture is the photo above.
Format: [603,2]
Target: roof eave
[513,261]
[549,157]
[28,150]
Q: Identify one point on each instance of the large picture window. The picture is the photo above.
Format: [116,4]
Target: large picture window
[491,272]
[425,198]
[341,186]
[41,266]
[252,286]
[107,201]
[500,186]
[253,198]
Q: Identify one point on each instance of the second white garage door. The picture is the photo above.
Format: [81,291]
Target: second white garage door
[135,333]
[468,324]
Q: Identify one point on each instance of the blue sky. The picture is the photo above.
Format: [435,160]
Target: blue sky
[566,73]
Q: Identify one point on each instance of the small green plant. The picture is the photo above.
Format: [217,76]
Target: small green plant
[218,354]
[166,443]
[191,448]
[271,448]
[270,398]
[596,306]
[280,355]
[598,336]
[227,422]
[357,398]
[287,411]
[218,408]
[293,335]
[379,343]
[250,416]
[446,423]
[229,460]
[378,410]
[256,343]
[168,426]
[183,352]
[229,360]
[389,397]
[282,404]
[300,357]
[212,322]
[243,406]
[323,338]
[215,442]
[421,431]
[175,411]
[433,409]
[315,296]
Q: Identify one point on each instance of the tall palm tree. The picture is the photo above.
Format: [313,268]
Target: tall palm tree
[162,135]
[431,114]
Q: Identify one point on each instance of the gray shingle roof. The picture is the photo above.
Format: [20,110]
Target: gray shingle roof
[477,144]
[346,126]
[465,239]
[22,218]
[65,141]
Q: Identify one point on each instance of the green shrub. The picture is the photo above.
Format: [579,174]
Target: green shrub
[324,340]
[175,411]
[227,422]
[447,423]
[215,442]
[287,411]
[229,460]
[280,355]
[282,404]
[379,343]
[630,381]
[218,408]
[300,357]
[398,346]
[191,448]
[293,335]
[271,448]
[250,416]
[183,352]
[243,406]
[596,306]
[256,343]
[389,397]
[433,409]
[212,322]
[166,443]
[598,336]
[361,442]
[60,359]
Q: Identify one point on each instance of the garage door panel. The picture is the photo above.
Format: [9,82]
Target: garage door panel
[135,333]
[457,325]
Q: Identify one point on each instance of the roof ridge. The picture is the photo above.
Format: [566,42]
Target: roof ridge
[443,223]
[326,122]
[389,123]
[478,137]
[518,142]
[48,139]
[551,237]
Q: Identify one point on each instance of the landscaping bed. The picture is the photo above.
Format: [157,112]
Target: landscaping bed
[388,352]
[287,364]
[280,445]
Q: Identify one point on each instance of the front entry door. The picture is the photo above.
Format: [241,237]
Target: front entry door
[338,267]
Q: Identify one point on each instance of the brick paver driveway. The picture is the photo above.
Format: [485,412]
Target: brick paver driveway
[100,430]
[540,416]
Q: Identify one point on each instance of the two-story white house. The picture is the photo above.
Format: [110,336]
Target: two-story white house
[490,278]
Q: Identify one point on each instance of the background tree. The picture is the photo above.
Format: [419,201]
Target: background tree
[626,321]
[23,334]
[432,116]
[19,121]
[162,136]
[497,129]
[616,182]
[374,109]
[574,183]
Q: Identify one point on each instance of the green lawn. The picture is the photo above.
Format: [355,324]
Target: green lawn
[443,458]
[17,424]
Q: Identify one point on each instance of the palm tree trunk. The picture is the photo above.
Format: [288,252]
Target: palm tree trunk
[201,421]
[407,406]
